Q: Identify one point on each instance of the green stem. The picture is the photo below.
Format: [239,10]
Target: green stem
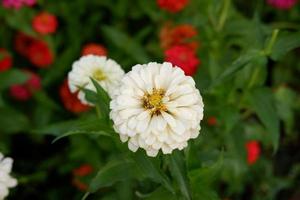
[85,196]
[224,14]
[270,45]
[98,111]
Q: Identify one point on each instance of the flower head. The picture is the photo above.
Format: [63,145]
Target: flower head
[5,60]
[282,4]
[23,92]
[17,3]
[172,6]
[181,34]
[44,23]
[105,71]
[184,57]
[253,151]
[70,100]
[6,181]
[94,49]
[23,42]
[157,108]
[79,173]
[39,54]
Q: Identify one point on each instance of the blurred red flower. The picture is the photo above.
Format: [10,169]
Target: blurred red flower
[23,42]
[212,121]
[44,23]
[23,92]
[282,4]
[184,57]
[83,170]
[37,51]
[253,151]
[70,100]
[181,34]
[172,5]
[5,60]
[39,54]
[95,49]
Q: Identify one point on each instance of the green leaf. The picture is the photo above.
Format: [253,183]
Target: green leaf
[150,170]
[205,177]
[263,103]
[237,65]
[160,193]
[113,172]
[45,100]
[85,124]
[125,43]
[80,132]
[178,171]
[12,77]
[284,44]
[12,121]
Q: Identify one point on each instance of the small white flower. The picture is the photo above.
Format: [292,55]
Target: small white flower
[105,71]
[157,107]
[6,181]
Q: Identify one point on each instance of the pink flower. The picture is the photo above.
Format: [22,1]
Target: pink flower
[17,3]
[282,4]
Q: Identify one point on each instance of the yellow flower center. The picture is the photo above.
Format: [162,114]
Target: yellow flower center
[99,75]
[153,102]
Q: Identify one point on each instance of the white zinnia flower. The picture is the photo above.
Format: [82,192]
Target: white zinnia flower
[157,107]
[105,71]
[6,181]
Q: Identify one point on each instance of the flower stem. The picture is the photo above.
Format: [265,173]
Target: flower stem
[98,111]
[224,14]
[85,196]
[270,45]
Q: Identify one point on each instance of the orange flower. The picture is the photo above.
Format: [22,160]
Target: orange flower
[95,49]
[70,100]
[181,34]
[44,23]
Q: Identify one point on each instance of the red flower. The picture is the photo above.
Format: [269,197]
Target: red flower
[23,92]
[70,100]
[253,151]
[44,23]
[23,42]
[182,34]
[39,54]
[79,185]
[212,121]
[172,5]
[5,60]
[95,49]
[83,170]
[282,4]
[184,57]
[35,50]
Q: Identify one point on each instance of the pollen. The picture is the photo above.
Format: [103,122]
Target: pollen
[99,75]
[154,101]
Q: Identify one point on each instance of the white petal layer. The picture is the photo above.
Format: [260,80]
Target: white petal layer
[6,181]
[83,70]
[167,130]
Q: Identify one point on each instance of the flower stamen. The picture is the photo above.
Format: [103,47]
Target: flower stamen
[153,102]
[99,75]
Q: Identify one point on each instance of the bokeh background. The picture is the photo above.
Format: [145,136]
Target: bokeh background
[243,56]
